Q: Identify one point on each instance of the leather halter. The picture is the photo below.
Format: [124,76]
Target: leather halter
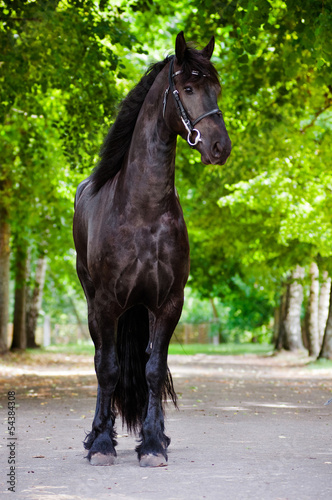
[189,125]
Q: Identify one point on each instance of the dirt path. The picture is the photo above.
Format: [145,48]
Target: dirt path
[249,427]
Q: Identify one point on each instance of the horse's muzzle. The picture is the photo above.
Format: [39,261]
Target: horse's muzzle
[218,153]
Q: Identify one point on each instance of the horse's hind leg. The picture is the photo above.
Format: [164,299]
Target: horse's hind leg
[152,451]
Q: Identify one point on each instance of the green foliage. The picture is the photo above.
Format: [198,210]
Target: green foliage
[241,313]
[60,65]
[268,208]
[64,66]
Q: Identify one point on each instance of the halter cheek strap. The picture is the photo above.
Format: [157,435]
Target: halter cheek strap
[188,124]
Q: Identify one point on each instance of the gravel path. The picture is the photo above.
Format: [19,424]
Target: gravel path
[248,427]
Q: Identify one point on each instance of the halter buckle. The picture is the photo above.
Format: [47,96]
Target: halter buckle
[187,126]
[165,101]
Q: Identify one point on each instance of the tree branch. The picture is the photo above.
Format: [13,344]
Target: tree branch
[20,19]
[317,114]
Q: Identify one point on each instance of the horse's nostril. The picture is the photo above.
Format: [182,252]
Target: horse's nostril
[217,150]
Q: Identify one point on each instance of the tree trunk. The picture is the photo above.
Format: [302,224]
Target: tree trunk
[4,280]
[324,303]
[326,350]
[292,322]
[313,331]
[19,332]
[305,329]
[280,316]
[33,302]
[276,324]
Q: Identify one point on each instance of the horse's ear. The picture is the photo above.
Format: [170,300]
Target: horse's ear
[208,50]
[180,47]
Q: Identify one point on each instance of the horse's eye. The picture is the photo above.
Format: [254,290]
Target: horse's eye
[188,90]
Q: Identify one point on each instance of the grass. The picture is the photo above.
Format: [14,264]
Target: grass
[222,349]
[188,349]
[81,348]
[322,364]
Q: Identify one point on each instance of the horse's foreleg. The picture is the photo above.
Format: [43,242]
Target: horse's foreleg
[101,440]
[152,452]
[154,443]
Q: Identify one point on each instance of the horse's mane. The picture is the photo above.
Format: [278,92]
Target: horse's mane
[119,137]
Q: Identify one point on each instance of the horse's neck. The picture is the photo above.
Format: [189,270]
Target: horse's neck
[149,169]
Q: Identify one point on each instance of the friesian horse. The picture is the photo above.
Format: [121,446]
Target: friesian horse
[132,245]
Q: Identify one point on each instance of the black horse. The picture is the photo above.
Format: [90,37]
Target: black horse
[132,245]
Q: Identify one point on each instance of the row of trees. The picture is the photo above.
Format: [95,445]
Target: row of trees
[313,332]
[271,212]
[252,223]
[59,73]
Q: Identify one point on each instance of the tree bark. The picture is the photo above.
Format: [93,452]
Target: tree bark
[313,330]
[305,328]
[4,280]
[276,324]
[292,322]
[279,318]
[326,350]
[33,302]
[19,332]
[324,303]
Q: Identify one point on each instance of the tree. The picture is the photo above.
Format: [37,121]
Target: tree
[265,212]
[326,350]
[58,70]
[34,300]
[313,304]
[324,304]
[4,276]
[290,331]
[19,331]
[274,193]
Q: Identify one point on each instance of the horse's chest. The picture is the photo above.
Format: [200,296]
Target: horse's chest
[149,263]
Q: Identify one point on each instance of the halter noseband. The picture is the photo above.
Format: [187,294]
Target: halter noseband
[189,125]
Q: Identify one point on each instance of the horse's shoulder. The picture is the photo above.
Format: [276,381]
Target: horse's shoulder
[80,188]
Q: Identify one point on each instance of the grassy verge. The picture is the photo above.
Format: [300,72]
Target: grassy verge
[76,349]
[189,349]
[322,364]
[222,349]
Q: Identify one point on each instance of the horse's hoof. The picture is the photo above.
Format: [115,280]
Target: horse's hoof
[100,459]
[151,460]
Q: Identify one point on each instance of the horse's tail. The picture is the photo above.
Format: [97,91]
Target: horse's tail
[131,394]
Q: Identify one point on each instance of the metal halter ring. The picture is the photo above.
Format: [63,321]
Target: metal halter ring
[197,139]
[189,128]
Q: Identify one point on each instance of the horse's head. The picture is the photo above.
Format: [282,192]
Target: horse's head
[194,84]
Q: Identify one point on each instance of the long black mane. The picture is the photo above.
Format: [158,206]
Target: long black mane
[119,137]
